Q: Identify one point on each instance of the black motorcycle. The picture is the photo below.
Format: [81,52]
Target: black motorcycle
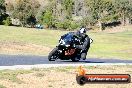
[66,50]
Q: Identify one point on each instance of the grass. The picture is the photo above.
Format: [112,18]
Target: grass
[27,35]
[65,79]
[12,75]
[116,45]
[1,86]
[40,74]
[105,45]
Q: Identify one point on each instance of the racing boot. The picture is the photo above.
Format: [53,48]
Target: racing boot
[83,56]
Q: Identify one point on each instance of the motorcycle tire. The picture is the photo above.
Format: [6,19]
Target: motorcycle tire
[53,55]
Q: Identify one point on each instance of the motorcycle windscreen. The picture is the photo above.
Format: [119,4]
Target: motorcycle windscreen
[68,39]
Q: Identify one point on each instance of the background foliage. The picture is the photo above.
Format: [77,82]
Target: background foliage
[60,14]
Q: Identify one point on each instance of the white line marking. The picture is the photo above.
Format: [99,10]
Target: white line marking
[15,67]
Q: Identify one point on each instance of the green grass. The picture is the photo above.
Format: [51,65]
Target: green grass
[27,35]
[116,45]
[105,45]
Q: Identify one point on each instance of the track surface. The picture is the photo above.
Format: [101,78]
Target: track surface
[11,60]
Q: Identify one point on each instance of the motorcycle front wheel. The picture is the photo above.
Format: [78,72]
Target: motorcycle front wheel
[53,55]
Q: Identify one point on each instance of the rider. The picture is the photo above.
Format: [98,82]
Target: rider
[84,38]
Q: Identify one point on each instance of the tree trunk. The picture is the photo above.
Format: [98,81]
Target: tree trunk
[101,26]
[123,19]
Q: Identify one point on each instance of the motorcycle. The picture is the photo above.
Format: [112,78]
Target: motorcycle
[65,49]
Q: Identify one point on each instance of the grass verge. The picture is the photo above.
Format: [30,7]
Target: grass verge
[66,78]
[12,75]
[17,40]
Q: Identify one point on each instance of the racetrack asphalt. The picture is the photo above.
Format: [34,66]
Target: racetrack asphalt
[11,60]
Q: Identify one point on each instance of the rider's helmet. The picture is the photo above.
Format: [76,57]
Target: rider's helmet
[81,33]
[82,30]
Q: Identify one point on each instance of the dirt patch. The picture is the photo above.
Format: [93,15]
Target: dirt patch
[55,78]
[118,29]
[14,47]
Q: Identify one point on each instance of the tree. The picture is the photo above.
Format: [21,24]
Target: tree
[68,7]
[92,12]
[58,14]
[2,10]
[47,18]
[124,9]
[9,7]
[2,6]
[24,9]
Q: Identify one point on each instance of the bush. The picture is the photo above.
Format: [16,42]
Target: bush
[66,24]
[47,18]
[59,25]
[74,25]
[7,22]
